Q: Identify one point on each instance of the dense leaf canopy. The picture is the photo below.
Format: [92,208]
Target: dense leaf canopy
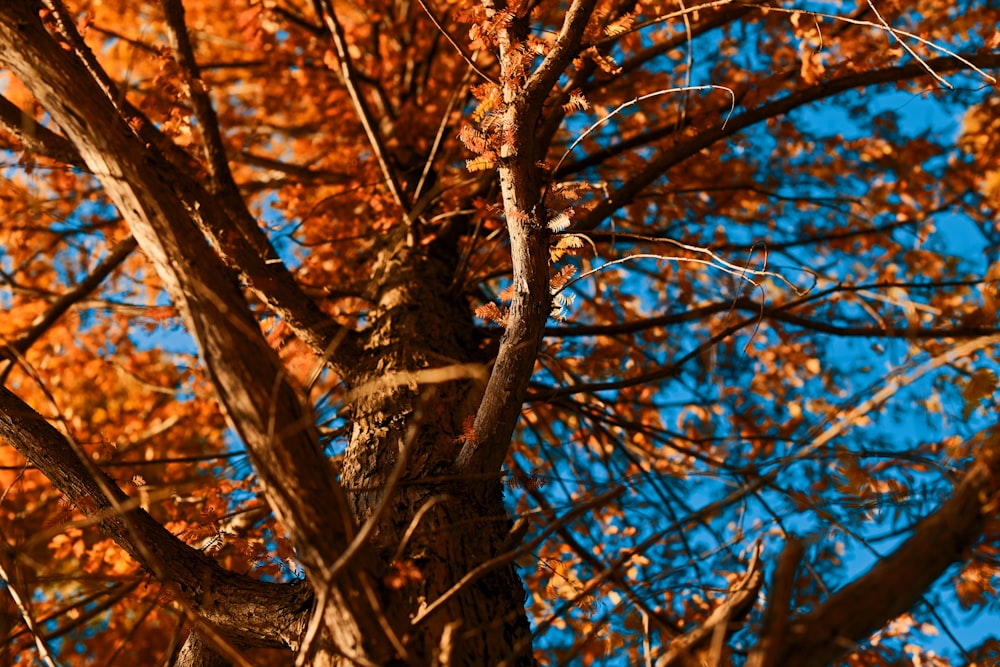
[724,279]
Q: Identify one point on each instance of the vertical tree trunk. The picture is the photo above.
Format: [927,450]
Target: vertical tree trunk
[419,383]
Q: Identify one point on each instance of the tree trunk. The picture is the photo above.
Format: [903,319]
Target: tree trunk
[412,403]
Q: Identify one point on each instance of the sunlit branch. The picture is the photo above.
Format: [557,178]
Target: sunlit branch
[82,53]
[565,47]
[602,236]
[517,169]
[642,98]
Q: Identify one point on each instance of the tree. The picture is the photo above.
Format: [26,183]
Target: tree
[485,333]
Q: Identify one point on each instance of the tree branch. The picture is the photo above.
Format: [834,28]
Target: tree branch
[198,579]
[529,241]
[36,138]
[260,402]
[43,322]
[208,122]
[742,596]
[211,304]
[197,653]
[899,580]
[565,47]
[248,251]
[778,313]
[680,152]
[349,78]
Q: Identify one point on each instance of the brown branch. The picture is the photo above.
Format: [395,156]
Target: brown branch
[35,138]
[567,45]
[208,122]
[349,78]
[278,429]
[682,151]
[81,610]
[261,403]
[240,606]
[779,313]
[42,323]
[651,375]
[196,652]
[29,622]
[775,625]
[653,236]
[520,188]
[899,580]
[742,596]
[248,252]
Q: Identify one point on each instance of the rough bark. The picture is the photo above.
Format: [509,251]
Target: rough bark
[419,388]
[197,653]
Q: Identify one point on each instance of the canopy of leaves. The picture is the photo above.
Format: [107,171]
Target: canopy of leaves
[772,245]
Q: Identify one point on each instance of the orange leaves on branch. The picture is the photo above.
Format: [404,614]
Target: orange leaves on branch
[483,34]
[565,245]
[576,102]
[492,313]
[605,63]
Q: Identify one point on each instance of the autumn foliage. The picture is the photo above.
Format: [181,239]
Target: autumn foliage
[453,332]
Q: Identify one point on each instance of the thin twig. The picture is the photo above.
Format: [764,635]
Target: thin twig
[208,122]
[895,32]
[451,40]
[642,98]
[44,322]
[349,77]
[43,649]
